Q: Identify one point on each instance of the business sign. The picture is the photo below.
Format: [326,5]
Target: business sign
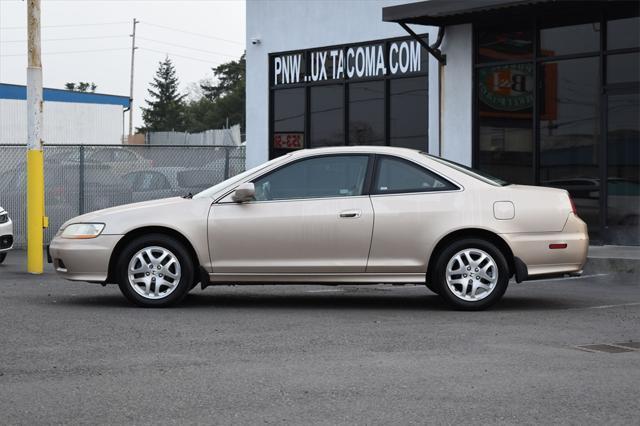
[507,88]
[369,60]
[288,140]
[506,91]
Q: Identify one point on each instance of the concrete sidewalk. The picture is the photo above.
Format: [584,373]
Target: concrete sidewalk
[607,259]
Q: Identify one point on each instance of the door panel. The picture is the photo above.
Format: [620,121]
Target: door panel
[407,226]
[330,235]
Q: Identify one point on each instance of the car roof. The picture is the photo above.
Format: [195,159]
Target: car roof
[356,149]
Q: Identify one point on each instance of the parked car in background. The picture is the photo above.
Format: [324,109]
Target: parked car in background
[120,159]
[6,234]
[163,182]
[622,203]
[308,217]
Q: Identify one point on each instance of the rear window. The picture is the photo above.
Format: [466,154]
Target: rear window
[485,177]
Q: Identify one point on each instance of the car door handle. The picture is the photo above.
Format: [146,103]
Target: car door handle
[350,214]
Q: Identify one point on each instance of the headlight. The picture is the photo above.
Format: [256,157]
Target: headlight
[82,231]
[4,218]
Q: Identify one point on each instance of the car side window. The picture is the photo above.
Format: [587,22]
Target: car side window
[396,176]
[319,177]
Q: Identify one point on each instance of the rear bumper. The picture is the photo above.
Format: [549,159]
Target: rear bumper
[534,259]
[83,260]
[6,236]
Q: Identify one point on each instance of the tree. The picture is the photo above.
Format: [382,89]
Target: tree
[166,106]
[222,101]
[81,86]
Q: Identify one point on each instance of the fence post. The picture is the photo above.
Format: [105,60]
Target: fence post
[226,163]
[81,182]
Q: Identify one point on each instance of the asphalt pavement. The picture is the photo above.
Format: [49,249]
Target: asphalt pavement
[78,353]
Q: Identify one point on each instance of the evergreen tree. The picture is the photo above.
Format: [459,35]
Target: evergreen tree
[222,100]
[166,106]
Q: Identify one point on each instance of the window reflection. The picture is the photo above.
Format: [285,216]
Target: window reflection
[623,68]
[408,116]
[494,46]
[327,115]
[623,186]
[623,33]
[505,105]
[569,133]
[570,39]
[366,113]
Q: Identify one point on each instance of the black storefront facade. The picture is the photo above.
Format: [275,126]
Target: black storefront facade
[556,99]
[363,93]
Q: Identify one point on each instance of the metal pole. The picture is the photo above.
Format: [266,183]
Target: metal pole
[36,220]
[133,57]
[81,182]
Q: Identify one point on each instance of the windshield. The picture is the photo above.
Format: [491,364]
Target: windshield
[210,192]
[485,177]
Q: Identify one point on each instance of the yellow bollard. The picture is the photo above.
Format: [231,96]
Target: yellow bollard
[35,210]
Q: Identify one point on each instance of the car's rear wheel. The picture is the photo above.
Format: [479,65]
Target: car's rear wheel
[471,274]
[3,256]
[155,271]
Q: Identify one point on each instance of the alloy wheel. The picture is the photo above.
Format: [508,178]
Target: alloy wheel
[154,272]
[471,275]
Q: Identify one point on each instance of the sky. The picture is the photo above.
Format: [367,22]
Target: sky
[86,40]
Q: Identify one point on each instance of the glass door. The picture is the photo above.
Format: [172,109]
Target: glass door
[623,166]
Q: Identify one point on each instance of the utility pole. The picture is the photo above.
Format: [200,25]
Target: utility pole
[36,220]
[133,57]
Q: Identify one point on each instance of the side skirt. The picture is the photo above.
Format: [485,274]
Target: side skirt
[413,278]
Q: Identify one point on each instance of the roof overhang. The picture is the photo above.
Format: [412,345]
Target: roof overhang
[442,13]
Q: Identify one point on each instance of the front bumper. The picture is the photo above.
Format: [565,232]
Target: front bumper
[6,236]
[83,260]
[539,260]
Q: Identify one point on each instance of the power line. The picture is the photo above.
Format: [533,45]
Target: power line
[69,25]
[67,39]
[192,33]
[179,56]
[187,47]
[70,52]
[213,64]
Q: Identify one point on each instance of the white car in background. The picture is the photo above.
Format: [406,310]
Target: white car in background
[6,234]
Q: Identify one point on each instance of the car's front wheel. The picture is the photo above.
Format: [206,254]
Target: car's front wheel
[471,274]
[155,271]
[3,256]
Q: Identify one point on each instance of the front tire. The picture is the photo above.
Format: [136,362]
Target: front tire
[3,256]
[155,271]
[471,274]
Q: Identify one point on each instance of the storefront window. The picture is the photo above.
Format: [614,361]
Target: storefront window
[623,68]
[623,186]
[326,116]
[366,113]
[408,120]
[505,108]
[504,45]
[569,133]
[623,33]
[570,39]
[288,120]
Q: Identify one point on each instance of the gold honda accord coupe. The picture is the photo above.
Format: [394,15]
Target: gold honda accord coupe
[345,215]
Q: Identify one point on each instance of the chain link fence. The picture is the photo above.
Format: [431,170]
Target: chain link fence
[84,178]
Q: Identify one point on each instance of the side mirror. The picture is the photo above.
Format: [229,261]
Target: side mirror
[245,192]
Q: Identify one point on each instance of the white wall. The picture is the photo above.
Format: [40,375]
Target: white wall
[283,25]
[456,132]
[64,123]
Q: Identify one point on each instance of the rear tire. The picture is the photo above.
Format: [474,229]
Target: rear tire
[471,274]
[3,256]
[433,287]
[155,271]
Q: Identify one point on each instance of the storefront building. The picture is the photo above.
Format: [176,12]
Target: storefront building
[534,92]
